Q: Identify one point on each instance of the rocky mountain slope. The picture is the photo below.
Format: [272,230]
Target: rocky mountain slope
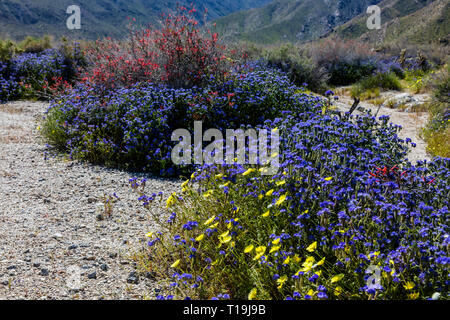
[19,18]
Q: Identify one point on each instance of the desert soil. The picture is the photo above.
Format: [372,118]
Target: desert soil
[52,245]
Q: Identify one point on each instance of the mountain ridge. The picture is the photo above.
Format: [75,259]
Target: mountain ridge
[99,18]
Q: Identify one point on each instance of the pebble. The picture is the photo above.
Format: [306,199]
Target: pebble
[133,278]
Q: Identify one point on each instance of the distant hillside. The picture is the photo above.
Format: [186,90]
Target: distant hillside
[19,18]
[294,20]
[414,21]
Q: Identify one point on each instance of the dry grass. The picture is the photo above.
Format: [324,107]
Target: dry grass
[11,109]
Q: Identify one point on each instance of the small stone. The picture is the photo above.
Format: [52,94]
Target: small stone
[104,267]
[36,264]
[92,275]
[73,247]
[44,272]
[57,236]
[11,267]
[113,255]
[133,278]
[99,217]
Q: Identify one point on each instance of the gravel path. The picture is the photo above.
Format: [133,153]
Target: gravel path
[411,122]
[52,246]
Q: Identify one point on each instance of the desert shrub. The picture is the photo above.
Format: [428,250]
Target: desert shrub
[386,81]
[40,75]
[7,50]
[437,131]
[300,69]
[346,61]
[343,202]
[35,45]
[180,54]
[131,127]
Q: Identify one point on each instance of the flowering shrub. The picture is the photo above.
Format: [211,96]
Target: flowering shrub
[39,74]
[179,54]
[344,204]
[131,127]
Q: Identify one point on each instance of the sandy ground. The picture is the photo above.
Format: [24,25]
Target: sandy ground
[52,245]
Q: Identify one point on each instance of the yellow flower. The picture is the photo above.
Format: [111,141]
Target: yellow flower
[200,237]
[321,262]
[175,264]
[308,264]
[413,295]
[281,200]
[260,196]
[214,225]
[310,292]
[248,248]
[149,235]
[226,239]
[409,285]
[220,175]
[184,184]
[208,193]
[274,248]
[223,235]
[296,258]
[280,183]
[312,247]
[274,155]
[328,178]
[209,221]
[287,260]
[281,281]
[338,291]
[171,200]
[269,193]
[275,129]
[248,172]
[266,214]
[337,278]
[252,294]
[276,241]
[260,251]
[319,273]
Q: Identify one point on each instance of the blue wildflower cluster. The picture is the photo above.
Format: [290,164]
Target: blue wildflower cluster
[131,127]
[347,216]
[34,74]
